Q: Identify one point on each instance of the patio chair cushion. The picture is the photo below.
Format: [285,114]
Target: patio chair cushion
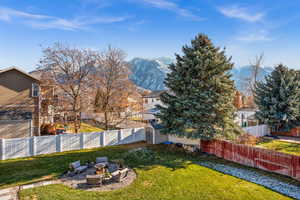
[119,175]
[115,173]
[124,172]
[75,164]
[81,168]
[94,179]
[102,160]
[113,167]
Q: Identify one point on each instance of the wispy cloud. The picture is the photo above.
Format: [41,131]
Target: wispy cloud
[242,13]
[171,6]
[261,35]
[52,22]
[6,14]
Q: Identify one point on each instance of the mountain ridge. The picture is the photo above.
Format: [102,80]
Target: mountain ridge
[150,73]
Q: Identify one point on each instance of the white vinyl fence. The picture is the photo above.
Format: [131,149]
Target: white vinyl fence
[31,146]
[257,131]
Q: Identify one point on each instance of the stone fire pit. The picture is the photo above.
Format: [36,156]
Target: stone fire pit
[79,180]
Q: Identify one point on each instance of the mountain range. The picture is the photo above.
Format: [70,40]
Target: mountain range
[150,73]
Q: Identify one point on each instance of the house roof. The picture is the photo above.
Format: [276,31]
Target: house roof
[154,94]
[248,109]
[156,125]
[152,111]
[19,70]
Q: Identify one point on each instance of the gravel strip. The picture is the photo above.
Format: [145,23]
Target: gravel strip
[260,179]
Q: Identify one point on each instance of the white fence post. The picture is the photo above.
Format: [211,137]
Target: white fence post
[103,138]
[2,149]
[100,139]
[133,134]
[33,146]
[82,141]
[120,136]
[58,143]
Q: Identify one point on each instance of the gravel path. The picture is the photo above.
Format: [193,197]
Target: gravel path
[251,176]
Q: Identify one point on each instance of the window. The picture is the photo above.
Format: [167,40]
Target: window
[15,115]
[35,90]
[146,100]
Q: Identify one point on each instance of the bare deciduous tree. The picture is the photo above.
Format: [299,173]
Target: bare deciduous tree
[113,87]
[69,68]
[255,69]
[256,66]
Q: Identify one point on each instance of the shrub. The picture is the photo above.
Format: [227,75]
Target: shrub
[48,129]
[247,139]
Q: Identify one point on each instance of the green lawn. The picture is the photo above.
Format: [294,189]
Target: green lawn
[84,128]
[163,174]
[281,146]
[87,128]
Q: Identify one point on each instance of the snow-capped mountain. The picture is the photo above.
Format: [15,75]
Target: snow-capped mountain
[241,75]
[150,73]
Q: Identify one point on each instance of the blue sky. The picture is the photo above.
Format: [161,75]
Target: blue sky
[150,28]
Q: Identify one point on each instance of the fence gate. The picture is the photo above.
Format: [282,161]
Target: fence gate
[149,135]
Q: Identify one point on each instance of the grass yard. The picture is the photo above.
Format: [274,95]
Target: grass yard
[85,128]
[164,174]
[281,146]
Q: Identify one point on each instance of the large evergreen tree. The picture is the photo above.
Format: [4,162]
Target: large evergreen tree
[278,99]
[199,102]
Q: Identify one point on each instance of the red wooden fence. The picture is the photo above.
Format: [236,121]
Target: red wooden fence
[294,132]
[268,160]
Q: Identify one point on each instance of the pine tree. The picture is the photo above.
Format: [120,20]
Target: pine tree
[278,99]
[199,102]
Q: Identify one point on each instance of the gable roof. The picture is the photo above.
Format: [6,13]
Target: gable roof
[154,94]
[20,71]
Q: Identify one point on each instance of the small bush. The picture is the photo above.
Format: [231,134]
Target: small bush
[48,129]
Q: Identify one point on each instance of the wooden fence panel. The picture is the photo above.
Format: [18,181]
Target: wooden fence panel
[268,160]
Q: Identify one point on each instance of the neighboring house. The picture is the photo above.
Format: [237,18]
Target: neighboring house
[25,104]
[246,117]
[19,104]
[149,104]
[49,103]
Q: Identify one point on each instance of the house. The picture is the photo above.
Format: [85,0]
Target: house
[25,104]
[149,104]
[246,117]
[245,114]
[19,104]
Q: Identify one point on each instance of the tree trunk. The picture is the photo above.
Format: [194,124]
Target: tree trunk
[106,120]
[76,123]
